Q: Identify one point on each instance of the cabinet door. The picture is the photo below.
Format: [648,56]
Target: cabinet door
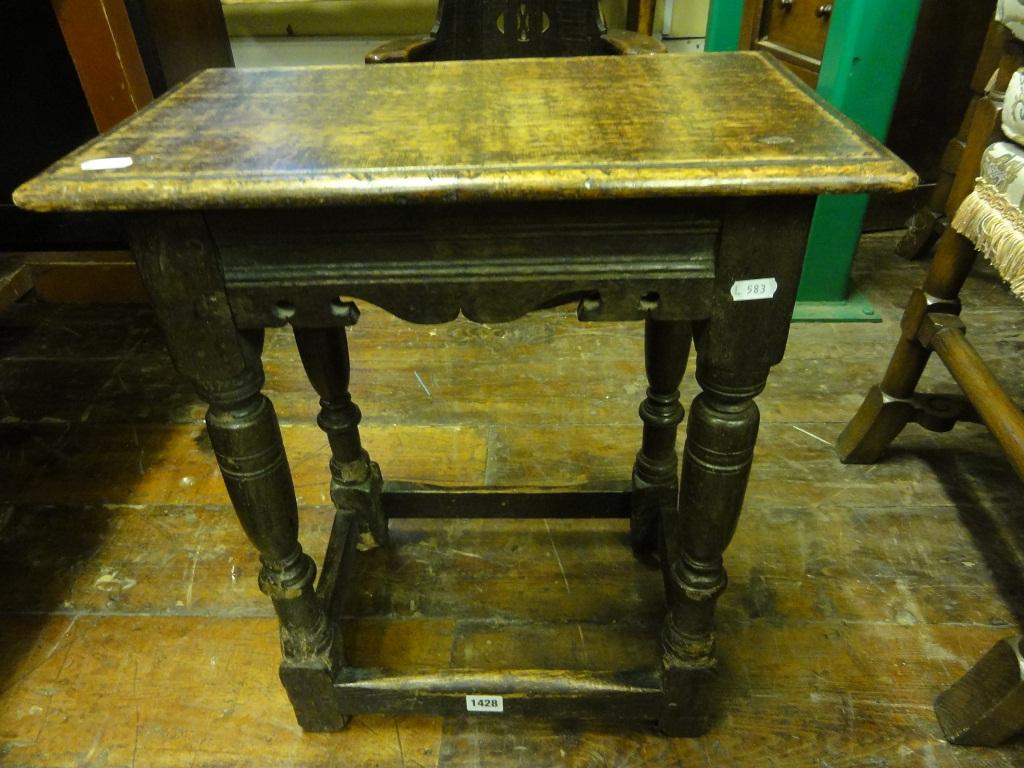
[793,31]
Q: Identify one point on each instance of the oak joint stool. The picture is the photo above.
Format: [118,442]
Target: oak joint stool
[257,198]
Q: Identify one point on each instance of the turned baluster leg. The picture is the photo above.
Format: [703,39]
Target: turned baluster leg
[666,349]
[737,344]
[355,480]
[179,263]
[720,436]
[246,439]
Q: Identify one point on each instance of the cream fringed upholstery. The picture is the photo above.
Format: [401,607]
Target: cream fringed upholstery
[992,217]
[989,218]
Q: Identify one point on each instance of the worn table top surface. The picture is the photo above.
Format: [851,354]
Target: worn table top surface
[714,124]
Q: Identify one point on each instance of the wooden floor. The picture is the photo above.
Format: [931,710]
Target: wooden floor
[133,633]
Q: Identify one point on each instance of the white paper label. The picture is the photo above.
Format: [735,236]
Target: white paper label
[106,163]
[752,290]
[485,704]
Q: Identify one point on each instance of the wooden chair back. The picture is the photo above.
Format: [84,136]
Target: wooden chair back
[501,29]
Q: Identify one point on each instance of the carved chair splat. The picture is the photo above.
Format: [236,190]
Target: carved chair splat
[502,29]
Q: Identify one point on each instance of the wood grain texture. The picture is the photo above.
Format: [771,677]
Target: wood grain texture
[723,124]
[133,631]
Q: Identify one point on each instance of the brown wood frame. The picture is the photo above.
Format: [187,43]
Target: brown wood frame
[102,44]
[983,707]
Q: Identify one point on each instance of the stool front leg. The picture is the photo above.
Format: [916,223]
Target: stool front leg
[720,437]
[355,480]
[246,439]
[180,264]
[655,489]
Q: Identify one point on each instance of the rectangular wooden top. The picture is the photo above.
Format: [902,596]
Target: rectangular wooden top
[602,127]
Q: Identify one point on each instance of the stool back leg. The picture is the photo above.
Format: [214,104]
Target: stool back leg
[355,479]
[655,488]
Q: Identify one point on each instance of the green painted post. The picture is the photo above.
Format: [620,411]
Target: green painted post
[867,49]
[723,31]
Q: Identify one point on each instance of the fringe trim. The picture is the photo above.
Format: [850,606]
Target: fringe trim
[996,227]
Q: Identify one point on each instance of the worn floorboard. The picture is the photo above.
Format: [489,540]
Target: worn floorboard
[132,631]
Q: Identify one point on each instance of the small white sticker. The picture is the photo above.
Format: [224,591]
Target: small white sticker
[752,290]
[106,163]
[485,704]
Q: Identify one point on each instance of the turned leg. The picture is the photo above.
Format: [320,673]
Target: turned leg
[246,439]
[931,220]
[888,406]
[180,265]
[355,480]
[666,349]
[737,344]
[720,435]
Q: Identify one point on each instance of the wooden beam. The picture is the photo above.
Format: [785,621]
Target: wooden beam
[945,334]
[533,692]
[102,45]
[401,502]
[85,277]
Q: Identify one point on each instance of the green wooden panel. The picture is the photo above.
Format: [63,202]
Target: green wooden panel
[866,53]
[861,70]
[724,20]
